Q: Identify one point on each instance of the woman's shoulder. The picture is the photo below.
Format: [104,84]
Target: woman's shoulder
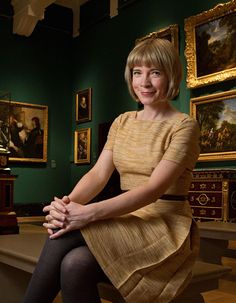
[185,121]
[186,118]
[126,116]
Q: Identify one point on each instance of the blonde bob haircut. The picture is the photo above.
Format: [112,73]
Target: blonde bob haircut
[159,53]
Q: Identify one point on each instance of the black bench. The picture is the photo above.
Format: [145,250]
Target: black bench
[205,278]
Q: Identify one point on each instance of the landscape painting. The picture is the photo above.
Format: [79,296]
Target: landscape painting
[216,115]
[215,45]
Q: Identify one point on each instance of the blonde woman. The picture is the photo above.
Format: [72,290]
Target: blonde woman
[144,240]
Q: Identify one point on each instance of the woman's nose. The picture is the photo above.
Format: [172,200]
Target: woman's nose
[145,81]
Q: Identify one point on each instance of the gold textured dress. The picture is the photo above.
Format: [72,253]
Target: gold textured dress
[148,254]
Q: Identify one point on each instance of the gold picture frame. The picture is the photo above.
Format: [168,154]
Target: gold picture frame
[210,45]
[216,117]
[26,127]
[170,33]
[82,146]
[83,112]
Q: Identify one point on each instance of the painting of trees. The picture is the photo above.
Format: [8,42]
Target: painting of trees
[217,122]
[215,45]
[210,47]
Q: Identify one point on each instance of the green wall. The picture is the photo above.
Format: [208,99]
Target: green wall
[49,67]
[37,70]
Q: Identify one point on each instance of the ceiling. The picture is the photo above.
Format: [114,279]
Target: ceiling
[27,13]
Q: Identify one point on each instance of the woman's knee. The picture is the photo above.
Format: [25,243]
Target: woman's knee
[79,263]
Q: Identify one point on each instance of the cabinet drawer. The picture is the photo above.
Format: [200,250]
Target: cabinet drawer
[211,199]
[206,186]
[207,213]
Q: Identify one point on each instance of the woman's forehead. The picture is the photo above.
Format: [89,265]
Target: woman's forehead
[145,61]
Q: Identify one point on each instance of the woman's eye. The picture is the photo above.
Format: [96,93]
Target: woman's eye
[156,73]
[136,72]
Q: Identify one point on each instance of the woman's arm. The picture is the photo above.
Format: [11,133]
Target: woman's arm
[95,180]
[86,189]
[162,177]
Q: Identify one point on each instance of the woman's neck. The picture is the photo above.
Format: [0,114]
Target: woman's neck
[164,110]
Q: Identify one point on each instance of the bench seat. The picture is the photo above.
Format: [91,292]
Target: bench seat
[19,255]
[205,278]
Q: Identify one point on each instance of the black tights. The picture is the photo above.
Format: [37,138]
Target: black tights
[65,264]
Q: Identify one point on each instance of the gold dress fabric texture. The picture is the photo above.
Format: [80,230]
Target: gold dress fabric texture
[148,254]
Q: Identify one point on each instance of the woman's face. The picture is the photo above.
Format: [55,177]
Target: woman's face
[149,84]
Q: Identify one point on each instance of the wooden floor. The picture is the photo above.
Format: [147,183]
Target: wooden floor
[227,287]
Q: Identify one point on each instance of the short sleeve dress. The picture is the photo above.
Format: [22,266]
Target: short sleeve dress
[148,254]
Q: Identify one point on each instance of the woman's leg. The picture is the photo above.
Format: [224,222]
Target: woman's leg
[80,273]
[45,282]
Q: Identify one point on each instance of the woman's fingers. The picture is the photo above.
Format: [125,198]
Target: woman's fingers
[59,205]
[56,204]
[55,215]
[66,199]
[58,233]
[53,224]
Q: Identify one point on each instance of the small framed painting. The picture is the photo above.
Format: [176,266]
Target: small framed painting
[83,105]
[82,146]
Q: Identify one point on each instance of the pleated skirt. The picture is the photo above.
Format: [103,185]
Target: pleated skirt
[148,255]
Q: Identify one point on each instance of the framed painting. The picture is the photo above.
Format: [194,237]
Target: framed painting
[216,115]
[210,48]
[170,33]
[25,126]
[83,105]
[82,146]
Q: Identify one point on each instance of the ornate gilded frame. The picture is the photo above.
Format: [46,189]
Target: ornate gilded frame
[170,33]
[82,146]
[194,28]
[83,98]
[28,130]
[217,122]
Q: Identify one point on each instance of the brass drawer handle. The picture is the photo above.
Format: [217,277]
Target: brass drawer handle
[203,199]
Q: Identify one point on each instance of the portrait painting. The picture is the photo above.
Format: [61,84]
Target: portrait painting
[211,45]
[82,146]
[83,105]
[216,115]
[24,130]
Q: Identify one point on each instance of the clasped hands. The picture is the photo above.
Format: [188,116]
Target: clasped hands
[64,216]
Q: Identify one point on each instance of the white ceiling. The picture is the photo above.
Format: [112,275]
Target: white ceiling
[28,12]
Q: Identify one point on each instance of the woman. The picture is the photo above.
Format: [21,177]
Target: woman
[143,240]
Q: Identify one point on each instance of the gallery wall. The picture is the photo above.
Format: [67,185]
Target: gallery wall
[37,70]
[49,67]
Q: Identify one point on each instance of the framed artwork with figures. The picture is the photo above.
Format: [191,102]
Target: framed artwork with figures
[217,121]
[82,146]
[25,126]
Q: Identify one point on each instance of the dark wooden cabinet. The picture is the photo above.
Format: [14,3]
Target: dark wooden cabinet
[8,220]
[212,195]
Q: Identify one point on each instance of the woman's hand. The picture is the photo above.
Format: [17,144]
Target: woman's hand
[56,214]
[66,217]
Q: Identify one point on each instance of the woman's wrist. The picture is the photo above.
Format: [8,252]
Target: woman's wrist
[92,211]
